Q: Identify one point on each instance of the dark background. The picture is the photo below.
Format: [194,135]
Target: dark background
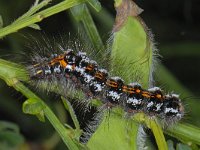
[175,24]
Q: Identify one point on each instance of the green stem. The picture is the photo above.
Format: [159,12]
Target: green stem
[33,10]
[158,134]
[72,113]
[185,132]
[62,131]
[180,49]
[155,128]
[52,141]
[81,13]
[10,72]
[91,29]
[134,130]
[39,16]
[104,19]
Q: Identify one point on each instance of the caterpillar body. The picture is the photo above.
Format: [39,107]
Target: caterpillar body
[95,82]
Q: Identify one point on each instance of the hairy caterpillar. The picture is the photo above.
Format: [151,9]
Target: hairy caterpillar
[76,69]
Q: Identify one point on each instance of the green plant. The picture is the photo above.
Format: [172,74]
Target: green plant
[130,35]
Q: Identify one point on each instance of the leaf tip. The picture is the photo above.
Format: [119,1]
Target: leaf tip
[125,8]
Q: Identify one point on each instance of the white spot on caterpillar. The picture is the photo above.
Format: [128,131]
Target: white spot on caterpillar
[69,67]
[150,104]
[158,106]
[47,71]
[134,84]
[116,78]
[99,87]
[57,69]
[88,78]
[167,110]
[80,70]
[134,101]
[154,89]
[103,70]
[113,94]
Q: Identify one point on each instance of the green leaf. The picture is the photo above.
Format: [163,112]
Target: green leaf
[185,132]
[1,22]
[170,145]
[37,17]
[34,107]
[114,133]
[10,136]
[82,14]
[133,46]
[78,11]
[95,4]
[4,125]
[182,147]
[35,26]
[40,116]
[10,71]
[70,109]
[130,43]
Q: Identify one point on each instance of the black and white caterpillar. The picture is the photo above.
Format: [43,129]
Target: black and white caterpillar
[95,82]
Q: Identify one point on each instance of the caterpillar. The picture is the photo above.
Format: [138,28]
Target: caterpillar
[95,82]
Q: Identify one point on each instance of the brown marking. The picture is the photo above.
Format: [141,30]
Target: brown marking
[89,67]
[158,96]
[99,75]
[130,92]
[124,88]
[57,59]
[63,63]
[146,94]
[137,91]
[111,83]
[124,10]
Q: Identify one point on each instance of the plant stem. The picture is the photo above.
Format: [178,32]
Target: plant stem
[81,13]
[14,27]
[32,10]
[62,131]
[104,18]
[10,73]
[186,132]
[72,113]
[158,134]
[155,127]
[91,29]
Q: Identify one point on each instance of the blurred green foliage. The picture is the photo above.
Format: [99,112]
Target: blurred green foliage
[10,137]
[179,48]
